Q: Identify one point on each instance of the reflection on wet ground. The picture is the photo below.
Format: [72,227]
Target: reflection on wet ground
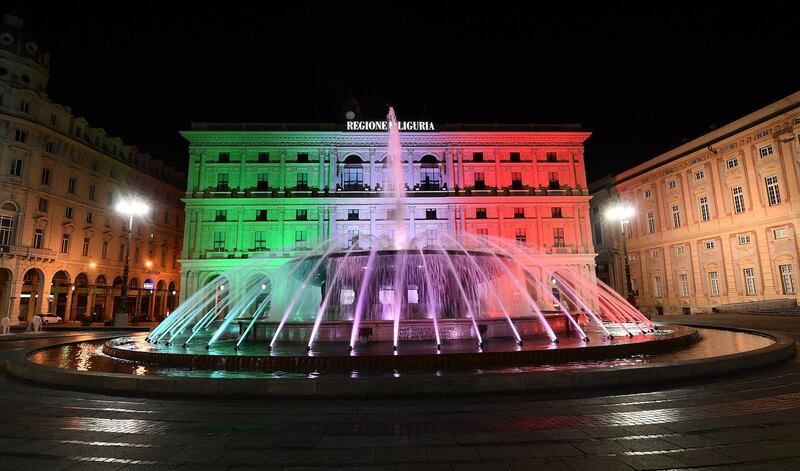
[87,356]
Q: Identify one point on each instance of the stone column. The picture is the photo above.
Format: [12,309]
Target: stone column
[281,228]
[198,229]
[332,221]
[239,229]
[334,162]
[320,224]
[462,219]
[449,169]
[320,170]
[498,178]
[451,219]
[89,300]
[138,305]
[460,174]
[282,178]
[371,169]
[372,211]
[151,306]
[107,310]
[68,305]
[500,221]
[200,184]
[14,293]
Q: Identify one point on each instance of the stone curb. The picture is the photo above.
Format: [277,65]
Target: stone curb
[451,384]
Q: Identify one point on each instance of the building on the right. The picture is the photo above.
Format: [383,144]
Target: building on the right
[715,222]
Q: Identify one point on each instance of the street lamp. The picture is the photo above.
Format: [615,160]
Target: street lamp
[623,212]
[131,206]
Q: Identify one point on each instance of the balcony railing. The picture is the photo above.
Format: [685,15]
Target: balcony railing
[28,252]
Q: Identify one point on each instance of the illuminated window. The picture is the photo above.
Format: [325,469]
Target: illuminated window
[86,242]
[713,281]
[781,233]
[651,223]
[413,294]
[386,295]
[684,285]
[680,250]
[738,200]
[347,297]
[750,281]
[709,244]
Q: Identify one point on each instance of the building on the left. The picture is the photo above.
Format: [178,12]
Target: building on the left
[61,242]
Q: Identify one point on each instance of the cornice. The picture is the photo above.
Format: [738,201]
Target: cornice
[369,139]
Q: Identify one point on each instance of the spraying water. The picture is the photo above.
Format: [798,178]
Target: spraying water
[398,180]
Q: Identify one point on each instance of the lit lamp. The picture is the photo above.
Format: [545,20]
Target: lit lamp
[623,212]
[131,206]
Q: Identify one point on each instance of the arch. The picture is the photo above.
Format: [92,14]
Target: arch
[352,175]
[161,285]
[82,280]
[353,159]
[133,283]
[10,205]
[101,281]
[6,283]
[428,160]
[32,294]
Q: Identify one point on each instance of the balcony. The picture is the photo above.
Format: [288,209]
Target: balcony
[29,253]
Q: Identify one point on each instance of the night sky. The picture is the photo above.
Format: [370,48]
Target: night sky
[641,80]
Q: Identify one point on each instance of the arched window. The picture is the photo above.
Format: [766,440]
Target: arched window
[429,176]
[8,216]
[353,174]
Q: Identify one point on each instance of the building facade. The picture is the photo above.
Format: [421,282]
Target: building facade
[716,218]
[61,242]
[281,190]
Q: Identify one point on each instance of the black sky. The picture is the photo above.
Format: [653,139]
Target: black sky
[641,80]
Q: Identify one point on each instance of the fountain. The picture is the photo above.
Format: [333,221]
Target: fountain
[375,297]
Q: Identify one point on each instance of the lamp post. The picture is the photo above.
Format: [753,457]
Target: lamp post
[130,207]
[623,212]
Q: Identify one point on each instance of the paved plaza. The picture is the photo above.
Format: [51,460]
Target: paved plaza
[750,421]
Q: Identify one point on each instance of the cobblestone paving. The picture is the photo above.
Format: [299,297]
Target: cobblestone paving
[750,421]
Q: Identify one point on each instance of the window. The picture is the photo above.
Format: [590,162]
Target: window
[46,176]
[713,281]
[347,297]
[654,253]
[672,184]
[21,136]
[430,237]
[738,200]
[558,237]
[302,215]
[92,192]
[262,182]
[477,156]
[300,240]
[676,216]
[222,182]
[163,257]
[136,254]
[121,252]
[773,191]
[514,157]
[353,177]
[483,237]
[480,213]
[552,157]
[302,181]
[224,157]
[166,213]
[219,241]
[651,223]
[699,175]
[744,239]
[429,178]
[709,244]
[391,214]
[263,157]
[302,157]
[553,181]
[16,167]
[50,147]
[521,237]
[260,240]
[89,217]
[68,212]
[480,182]
[6,230]
[516,180]
[657,290]
[65,243]
[430,213]
[705,215]
[648,193]
[104,251]
[598,234]
[352,215]
[519,213]
[261,215]
[684,285]
[750,281]
[765,151]
[95,166]
[680,249]
[762,133]
[787,279]
[25,106]
[781,233]
[43,204]
[85,251]
[53,119]
[555,212]
[110,202]
[71,185]
[352,238]
[221,215]
[38,238]
[732,163]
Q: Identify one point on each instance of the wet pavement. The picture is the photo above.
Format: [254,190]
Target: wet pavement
[749,421]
